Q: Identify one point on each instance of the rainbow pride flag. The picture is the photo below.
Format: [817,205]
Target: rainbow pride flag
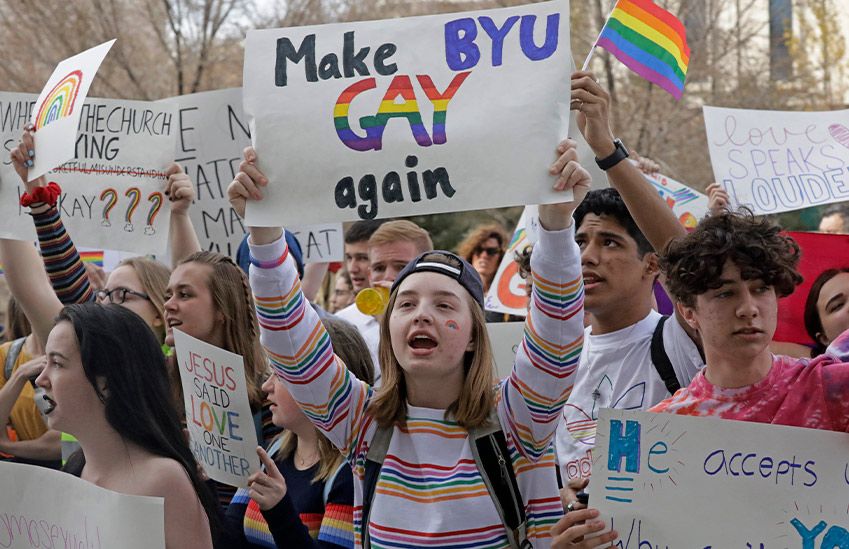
[95,257]
[650,41]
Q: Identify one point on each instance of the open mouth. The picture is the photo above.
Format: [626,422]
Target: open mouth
[422,342]
[50,405]
[173,322]
[592,279]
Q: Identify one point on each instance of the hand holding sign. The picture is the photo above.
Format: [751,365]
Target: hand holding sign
[23,157]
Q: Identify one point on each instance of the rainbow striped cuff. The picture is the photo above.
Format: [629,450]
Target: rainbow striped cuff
[270,263]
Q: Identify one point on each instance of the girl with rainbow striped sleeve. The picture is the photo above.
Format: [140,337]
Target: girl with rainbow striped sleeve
[438,380]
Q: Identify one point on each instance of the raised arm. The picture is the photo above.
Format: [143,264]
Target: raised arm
[654,218]
[182,238]
[62,262]
[291,333]
[541,380]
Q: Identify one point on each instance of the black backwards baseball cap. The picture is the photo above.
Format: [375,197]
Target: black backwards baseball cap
[448,264]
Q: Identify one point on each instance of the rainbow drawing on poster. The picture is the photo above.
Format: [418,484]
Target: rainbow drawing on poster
[134,194]
[59,103]
[400,87]
[111,198]
[155,198]
[93,257]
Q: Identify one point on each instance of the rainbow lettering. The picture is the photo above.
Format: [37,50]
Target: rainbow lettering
[155,198]
[59,103]
[401,86]
[134,194]
[111,198]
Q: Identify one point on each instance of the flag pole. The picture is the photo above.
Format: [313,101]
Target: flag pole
[595,44]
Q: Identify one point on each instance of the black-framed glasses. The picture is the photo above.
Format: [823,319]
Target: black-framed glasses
[117,296]
[488,251]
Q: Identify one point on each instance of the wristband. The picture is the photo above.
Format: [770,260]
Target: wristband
[269,264]
[42,195]
[619,154]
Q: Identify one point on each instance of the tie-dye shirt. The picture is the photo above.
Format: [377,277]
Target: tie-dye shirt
[429,492]
[796,392]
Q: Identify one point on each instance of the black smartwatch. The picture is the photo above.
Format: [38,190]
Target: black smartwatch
[620,154]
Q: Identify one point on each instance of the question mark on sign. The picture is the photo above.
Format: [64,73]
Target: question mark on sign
[155,199]
[135,195]
[111,198]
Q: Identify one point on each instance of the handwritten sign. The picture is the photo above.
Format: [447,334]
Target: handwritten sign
[507,292]
[662,480]
[112,191]
[218,413]
[57,109]
[773,161]
[44,508]
[408,116]
[213,131]
[688,205]
[505,338]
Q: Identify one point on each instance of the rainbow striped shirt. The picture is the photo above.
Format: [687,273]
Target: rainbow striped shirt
[429,492]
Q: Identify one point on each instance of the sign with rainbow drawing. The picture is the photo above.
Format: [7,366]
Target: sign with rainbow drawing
[688,205]
[663,480]
[212,133]
[408,116]
[112,191]
[57,109]
[40,507]
[508,290]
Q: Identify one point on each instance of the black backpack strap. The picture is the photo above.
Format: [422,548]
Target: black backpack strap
[492,456]
[661,360]
[374,461]
[12,356]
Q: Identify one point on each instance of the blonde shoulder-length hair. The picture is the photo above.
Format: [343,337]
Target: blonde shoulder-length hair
[477,397]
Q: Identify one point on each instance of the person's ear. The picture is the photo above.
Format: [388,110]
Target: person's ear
[102,388]
[651,264]
[822,340]
[688,314]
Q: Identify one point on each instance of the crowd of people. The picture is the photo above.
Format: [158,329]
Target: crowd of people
[392,430]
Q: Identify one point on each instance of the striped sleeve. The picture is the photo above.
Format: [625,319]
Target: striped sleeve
[532,396]
[300,351]
[337,524]
[61,260]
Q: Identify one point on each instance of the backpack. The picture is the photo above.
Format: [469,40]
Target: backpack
[492,457]
[661,360]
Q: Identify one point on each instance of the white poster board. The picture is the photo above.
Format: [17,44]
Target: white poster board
[212,133]
[218,413]
[57,110]
[41,507]
[505,338]
[688,205]
[112,192]
[507,292]
[663,480]
[408,116]
[773,161]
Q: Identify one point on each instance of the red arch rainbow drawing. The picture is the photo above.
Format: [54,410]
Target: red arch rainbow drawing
[59,103]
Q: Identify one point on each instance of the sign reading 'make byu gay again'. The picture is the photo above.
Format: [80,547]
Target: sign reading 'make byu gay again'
[408,116]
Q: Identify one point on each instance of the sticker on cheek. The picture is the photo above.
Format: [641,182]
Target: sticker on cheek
[452,325]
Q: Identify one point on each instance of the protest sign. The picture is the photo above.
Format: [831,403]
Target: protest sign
[507,291]
[688,205]
[772,161]
[505,338]
[662,480]
[112,192]
[212,133]
[408,116]
[57,109]
[218,412]
[40,507]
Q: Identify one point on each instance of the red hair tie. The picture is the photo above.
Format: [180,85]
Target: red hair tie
[42,195]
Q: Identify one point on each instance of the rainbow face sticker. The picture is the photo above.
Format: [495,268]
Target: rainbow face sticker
[452,325]
[59,103]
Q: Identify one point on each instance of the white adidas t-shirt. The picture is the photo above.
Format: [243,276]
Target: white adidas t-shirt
[616,371]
